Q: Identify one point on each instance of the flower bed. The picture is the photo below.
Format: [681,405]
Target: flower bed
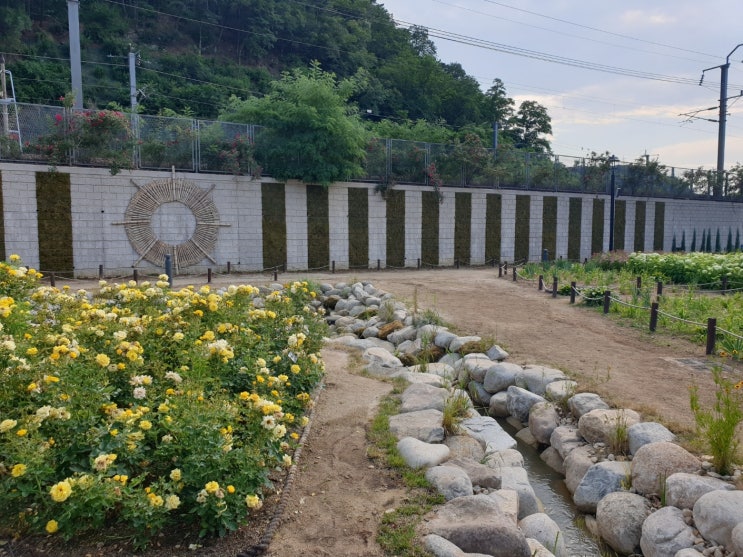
[148,407]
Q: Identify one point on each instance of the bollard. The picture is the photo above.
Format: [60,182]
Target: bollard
[545,256]
[135,275]
[209,274]
[724,285]
[585,261]
[333,266]
[572,292]
[52,282]
[660,288]
[639,283]
[229,267]
[653,316]
[275,274]
[541,283]
[513,272]
[379,264]
[500,271]
[554,286]
[711,335]
[100,272]
[419,263]
[505,267]
[169,269]
[607,300]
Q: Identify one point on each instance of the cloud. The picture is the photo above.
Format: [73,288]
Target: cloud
[642,18]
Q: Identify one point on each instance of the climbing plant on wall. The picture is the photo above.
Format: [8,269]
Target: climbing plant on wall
[54,214]
[620,222]
[640,211]
[430,228]
[274,225]
[597,227]
[492,227]
[318,227]
[660,225]
[575,209]
[395,228]
[462,226]
[521,240]
[358,227]
[3,253]
[549,226]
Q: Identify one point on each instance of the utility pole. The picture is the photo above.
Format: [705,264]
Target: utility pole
[133,80]
[73,22]
[4,95]
[722,121]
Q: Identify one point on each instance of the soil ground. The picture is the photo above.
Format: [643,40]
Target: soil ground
[334,506]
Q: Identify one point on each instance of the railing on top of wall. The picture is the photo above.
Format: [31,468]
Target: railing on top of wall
[55,135]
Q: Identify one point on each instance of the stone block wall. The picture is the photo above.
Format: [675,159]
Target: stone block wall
[565,221]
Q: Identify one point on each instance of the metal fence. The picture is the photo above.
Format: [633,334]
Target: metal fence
[55,135]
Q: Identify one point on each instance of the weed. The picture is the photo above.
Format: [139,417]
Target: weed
[456,408]
[386,311]
[717,426]
[619,435]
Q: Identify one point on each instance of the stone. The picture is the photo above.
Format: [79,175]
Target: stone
[504,458]
[500,376]
[536,378]
[543,420]
[424,425]
[418,454]
[607,426]
[443,339]
[599,480]
[464,446]
[517,479]
[443,370]
[683,489]
[389,328]
[736,539]
[441,547]
[655,462]
[664,533]
[479,474]
[560,391]
[400,335]
[450,359]
[475,524]
[498,406]
[478,394]
[421,396]
[476,366]
[582,403]
[542,528]
[508,503]
[457,343]
[537,549]
[566,438]
[552,458]
[496,353]
[418,377]
[525,436]
[688,552]
[429,331]
[576,465]
[490,434]
[520,402]
[619,517]
[717,513]
[450,481]
[643,433]
[381,361]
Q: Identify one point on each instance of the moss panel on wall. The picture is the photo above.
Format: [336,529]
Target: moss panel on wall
[3,254]
[521,238]
[575,215]
[640,209]
[358,227]
[660,226]
[492,227]
[597,228]
[54,215]
[273,200]
[430,229]
[620,224]
[462,227]
[396,228]
[318,228]
[549,227]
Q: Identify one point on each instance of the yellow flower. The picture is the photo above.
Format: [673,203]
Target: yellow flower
[7,425]
[175,474]
[230,489]
[145,425]
[18,470]
[102,360]
[14,258]
[172,502]
[295,368]
[51,526]
[21,432]
[32,351]
[61,491]
[32,386]
[253,502]
[211,487]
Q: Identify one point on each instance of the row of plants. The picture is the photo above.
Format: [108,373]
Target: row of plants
[147,407]
[683,311]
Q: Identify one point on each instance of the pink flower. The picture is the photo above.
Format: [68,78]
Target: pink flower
[58,117]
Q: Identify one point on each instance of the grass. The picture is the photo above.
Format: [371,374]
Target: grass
[398,530]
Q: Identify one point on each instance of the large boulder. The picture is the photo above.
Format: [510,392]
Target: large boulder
[421,396]
[576,465]
[517,479]
[475,524]
[520,402]
[418,454]
[560,391]
[449,481]
[565,438]
[683,489]
[476,366]
[488,432]
[536,378]
[583,403]
[647,432]
[464,446]
[543,420]
[655,462]
[498,406]
[500,376]
[607,426]
[479,474]
[542,528]
[423,424]
[619,517]
[600,479]
[717,513]
[665,532]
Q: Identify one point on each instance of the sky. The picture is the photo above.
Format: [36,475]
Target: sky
[669,42]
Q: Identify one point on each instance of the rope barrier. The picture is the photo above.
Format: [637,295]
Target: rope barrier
[726,332]
[677,318]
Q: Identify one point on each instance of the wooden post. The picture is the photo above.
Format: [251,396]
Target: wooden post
[229,267]
[639,283]
[100,272]
[333,266]
[554,286]
[209,274]
[607,300]
[275,274]
[660,288]
[52,280]
[541,283]
[456,263]
[419,263]
[572,292]
[711,335]
[653,316]
[500,271]
[135,275]
[379,264]
[724,285]
[513,272]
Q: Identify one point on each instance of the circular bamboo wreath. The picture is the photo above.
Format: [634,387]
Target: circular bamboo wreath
[148,199]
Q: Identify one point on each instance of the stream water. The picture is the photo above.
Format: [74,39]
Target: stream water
[550,487]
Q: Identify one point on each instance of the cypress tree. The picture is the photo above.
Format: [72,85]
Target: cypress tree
[673,244]
[737,239]
[683,240]
[694,240]
[709,241]
[718,246]
[729,247]
[703,243]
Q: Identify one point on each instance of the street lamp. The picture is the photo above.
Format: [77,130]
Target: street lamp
[612,160]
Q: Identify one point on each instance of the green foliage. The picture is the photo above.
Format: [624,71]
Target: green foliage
[703,269]
[311,133]
[456,408]
[718,425]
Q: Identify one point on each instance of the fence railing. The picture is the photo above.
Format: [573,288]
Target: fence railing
[56,135]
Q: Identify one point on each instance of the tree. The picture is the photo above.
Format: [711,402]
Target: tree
[311,133]
[528,126]
[496,105]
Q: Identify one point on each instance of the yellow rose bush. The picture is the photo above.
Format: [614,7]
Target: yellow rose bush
[148,407]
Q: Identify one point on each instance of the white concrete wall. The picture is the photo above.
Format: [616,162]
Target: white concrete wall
[99,203]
